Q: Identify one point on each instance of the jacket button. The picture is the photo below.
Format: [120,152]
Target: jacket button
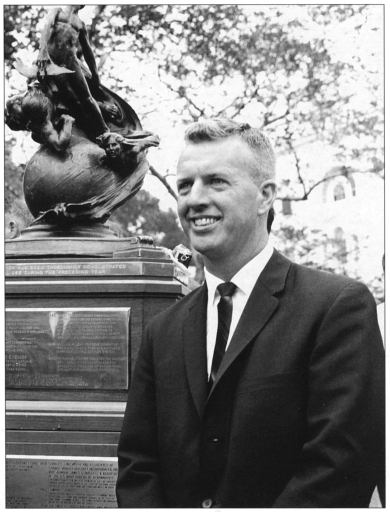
[207,503]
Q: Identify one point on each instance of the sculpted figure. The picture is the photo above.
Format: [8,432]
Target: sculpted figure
[34,111]
[62,32]
[13,113]
[37,109]
[121,152]
[92,157]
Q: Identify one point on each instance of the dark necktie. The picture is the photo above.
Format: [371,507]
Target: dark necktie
[225,309]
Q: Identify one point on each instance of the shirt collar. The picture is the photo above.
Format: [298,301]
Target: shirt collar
[246,277]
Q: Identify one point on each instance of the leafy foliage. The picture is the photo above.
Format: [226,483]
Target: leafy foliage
[142,216]
[304,72]
[13,174]
[312,248]
[276,65]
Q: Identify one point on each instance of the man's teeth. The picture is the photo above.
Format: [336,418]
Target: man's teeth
[204,221]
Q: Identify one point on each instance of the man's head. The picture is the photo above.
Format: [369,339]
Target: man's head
[226,190]
[262,163]
[111,143]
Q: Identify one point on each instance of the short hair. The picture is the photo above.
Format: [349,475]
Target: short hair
[263,163]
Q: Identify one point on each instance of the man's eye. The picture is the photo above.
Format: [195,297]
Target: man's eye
[216,181]
[182,187]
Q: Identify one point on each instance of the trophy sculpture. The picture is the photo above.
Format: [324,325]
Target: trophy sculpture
[92,156]
[78,296]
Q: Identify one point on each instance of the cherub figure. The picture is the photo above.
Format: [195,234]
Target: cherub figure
[34,111]
[58,58]
[122,152]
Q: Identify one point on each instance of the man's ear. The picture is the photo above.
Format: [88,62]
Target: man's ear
[268,191]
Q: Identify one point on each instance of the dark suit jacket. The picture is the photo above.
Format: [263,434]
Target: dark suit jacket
[295,417]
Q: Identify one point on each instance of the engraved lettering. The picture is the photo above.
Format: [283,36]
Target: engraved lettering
[67,348]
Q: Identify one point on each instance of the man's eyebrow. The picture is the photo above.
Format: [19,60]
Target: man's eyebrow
[182,180]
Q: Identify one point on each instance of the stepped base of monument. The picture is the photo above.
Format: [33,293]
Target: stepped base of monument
[69,230]
[55,247]
[76,311]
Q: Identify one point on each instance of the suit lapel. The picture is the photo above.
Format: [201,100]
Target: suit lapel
[258,310]
[194,339]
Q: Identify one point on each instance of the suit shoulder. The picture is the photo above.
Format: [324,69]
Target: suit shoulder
[309,277]
[325,282]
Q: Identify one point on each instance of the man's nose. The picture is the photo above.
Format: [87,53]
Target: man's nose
[198,195]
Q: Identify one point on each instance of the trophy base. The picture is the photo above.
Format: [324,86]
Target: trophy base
[77,246]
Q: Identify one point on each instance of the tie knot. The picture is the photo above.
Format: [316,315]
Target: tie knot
[226,289]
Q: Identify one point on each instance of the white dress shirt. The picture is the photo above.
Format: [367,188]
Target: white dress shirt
[245,280]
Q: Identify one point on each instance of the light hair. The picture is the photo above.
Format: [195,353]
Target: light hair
[263,162]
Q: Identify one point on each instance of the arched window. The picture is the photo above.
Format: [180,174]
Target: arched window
[338,184]
[339,192]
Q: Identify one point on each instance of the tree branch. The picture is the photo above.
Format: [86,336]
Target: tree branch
[268,121]
[239,106]
[323,180]
[163,180]
[182,93]
[297,160]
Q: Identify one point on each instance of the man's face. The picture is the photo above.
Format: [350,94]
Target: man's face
[218,202]
[113,149]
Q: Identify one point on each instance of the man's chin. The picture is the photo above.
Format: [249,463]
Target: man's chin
[203,246]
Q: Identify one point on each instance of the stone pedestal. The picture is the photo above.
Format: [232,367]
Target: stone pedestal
[75,314]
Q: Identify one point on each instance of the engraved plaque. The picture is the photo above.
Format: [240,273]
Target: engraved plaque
[67,348]
[60,483]
[88,268]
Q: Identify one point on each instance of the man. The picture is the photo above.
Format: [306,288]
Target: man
[62,32]
[294,414]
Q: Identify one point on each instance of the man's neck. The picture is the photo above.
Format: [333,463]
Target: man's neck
[225,269]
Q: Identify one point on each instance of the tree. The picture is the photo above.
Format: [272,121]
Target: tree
[142,216]
[13,174]
[276,65]
[305,73]
[312,248]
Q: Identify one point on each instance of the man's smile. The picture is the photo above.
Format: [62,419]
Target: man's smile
[203,221]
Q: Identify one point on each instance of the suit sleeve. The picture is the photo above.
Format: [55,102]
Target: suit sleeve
[139,484]
[342,458]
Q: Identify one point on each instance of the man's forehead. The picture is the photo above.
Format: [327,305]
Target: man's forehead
[229,150]
[232,143]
